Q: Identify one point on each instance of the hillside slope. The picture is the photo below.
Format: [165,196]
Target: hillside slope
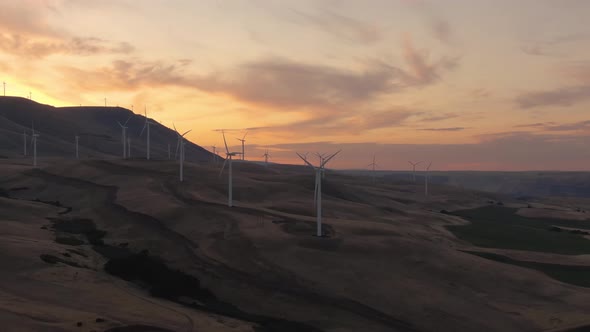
[100,135]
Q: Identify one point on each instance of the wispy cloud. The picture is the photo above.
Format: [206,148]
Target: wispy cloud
[441,29]
[421,70]
[566,96]
[445,129]
[344,27]
[38,48]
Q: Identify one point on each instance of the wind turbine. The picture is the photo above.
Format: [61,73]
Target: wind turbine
[321,156]
[147,125]
[34,143]
[77,139]
[180,145]
[229,156]
[243,140]
[414,169]
[25,142]
[124,136]
[426,180]
[373,164]
[318,188]
[266,155]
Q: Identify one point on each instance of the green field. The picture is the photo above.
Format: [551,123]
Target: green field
[500,227]
[571,274]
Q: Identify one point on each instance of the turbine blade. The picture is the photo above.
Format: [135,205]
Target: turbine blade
[129,118]
[223,167]
[142,129]
[186,132]
[243,138]
[305,160]
[225,142]
[330,157]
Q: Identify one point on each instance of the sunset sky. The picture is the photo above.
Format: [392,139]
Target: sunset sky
[468,84]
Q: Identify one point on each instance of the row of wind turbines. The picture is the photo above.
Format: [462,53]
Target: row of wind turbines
[319,170]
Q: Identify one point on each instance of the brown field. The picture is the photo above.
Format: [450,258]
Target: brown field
[389,264]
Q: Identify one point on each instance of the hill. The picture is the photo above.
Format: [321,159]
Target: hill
[100,135]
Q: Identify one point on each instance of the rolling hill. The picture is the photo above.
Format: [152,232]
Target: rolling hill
[100,135]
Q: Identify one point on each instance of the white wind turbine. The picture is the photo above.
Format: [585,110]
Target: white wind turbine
[180,145]
[147,125]
[124,136]
[414,169]
[34,143]
[243,140]
[229,156]
[426,179]
[374,165]
[266,155]
[318,188]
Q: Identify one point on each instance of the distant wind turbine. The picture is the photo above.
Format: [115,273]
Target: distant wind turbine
[147,125]
[124,136]
[266,156]
[243,140]
[105,102]
[426,180]
[4,88]
[180,145]
[228,157]
[374,165]
[24,142]
[34,143]
[414,169]
[318,189]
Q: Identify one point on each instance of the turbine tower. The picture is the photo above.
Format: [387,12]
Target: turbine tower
[318,188]
[147,125]
[229,156]
[77,139]
[374,165]
[180,145]
[414,169]
[426,180]
[124,136]
[243,140]
[25,143]
[34,143]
